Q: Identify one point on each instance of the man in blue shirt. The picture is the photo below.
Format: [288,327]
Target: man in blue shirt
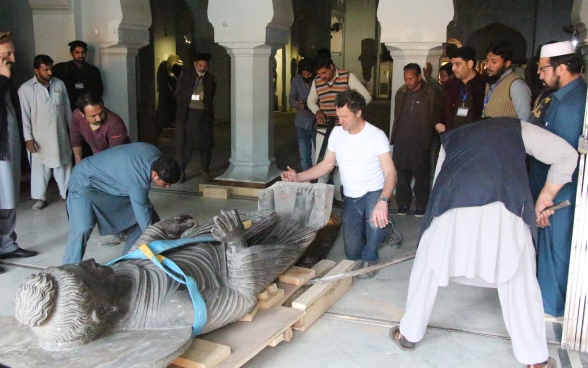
[111,189]
[559,69]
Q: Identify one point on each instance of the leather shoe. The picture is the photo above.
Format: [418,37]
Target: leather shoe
[19,253]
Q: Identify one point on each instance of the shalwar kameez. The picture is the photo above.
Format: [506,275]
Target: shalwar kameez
[46,118]
[480,223]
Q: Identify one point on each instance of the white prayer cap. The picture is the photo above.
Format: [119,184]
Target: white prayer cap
[557,49]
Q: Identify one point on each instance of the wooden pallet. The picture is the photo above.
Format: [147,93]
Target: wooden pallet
[268,325]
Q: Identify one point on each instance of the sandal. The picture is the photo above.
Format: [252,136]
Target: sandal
[401,341]
[550,363]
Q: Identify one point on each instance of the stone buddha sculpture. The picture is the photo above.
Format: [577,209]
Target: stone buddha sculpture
[72,305]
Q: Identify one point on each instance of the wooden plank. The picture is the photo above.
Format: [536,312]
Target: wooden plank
[272,299]
[215,192]
[324,266]
[203,354]
[297,275]
[272,288]
[317,291]
[286,336]
[289,291]
[232,190]
[249,316]
[246,339]
[314,311]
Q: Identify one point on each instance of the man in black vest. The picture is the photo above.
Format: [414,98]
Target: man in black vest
[78,75]
[484,225]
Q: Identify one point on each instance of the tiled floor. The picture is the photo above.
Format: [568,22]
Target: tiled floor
[354,332]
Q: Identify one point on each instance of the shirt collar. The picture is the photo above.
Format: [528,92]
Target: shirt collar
[563,91]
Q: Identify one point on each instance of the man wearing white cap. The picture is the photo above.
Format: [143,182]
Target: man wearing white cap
[559,69]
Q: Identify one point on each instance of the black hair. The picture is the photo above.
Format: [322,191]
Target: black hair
[305,65]
[447,68]
[88,98]
[353,99]
[503,49]
[574,62]
[41,59]
[77,43]
[413,66]
[322,61]
[167,169]
[324,52]
[466,53]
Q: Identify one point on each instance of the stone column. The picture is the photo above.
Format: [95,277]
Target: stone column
[249,32]
[47,15]
[119,76]
[414,33]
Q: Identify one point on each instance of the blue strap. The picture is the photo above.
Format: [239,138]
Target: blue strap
[152,252]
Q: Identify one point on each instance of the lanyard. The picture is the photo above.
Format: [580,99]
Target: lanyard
[152,252]
[198,79]
[489,94]
[463,94]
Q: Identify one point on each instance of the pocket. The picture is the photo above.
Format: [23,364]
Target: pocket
[58,98]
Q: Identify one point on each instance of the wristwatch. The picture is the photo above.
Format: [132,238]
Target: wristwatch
[383,199]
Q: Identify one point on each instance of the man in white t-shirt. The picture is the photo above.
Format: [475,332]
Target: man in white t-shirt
[367,174]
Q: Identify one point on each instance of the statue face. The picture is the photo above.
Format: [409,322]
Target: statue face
[99,279]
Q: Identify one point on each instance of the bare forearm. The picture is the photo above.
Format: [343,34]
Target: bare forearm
[315,172]
[389,184]
[77,151]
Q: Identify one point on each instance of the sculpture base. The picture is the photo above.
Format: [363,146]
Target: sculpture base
[245,184]
[19,348]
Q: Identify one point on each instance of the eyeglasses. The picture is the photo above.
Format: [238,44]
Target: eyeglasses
[542,69]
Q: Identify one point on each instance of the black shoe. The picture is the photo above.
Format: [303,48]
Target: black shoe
[2,270]
[402,211]
[19,253]
[364,265]
[419,212]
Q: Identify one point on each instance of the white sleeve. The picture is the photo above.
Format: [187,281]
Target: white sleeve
[439,163]
[380,142]
[333,138]
[355,84]
[312,100]
[552,150]
[25,108]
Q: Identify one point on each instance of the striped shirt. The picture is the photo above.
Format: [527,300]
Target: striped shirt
[328,92]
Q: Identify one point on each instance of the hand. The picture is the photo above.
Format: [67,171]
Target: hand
[321,118]
[428,70]
[32,146]
[5,67]
[201,94]
[380,215]
[440,128]
[290,175]
[541,212]
[228,228]
[300,105]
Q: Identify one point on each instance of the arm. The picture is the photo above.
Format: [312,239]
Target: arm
[555,151]
[77,151]
[521,98]
[293,95]
[76,139]
[321,169]
[118,134]
[313,99]
[380,213]
[355,84]
[99,85]
[142,206]
[25,109]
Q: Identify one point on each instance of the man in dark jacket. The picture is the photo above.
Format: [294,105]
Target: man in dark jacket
[9,157]
[195,115]
[417,111]
[78,75]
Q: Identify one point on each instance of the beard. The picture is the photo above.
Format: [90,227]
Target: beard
[554,85]
[200,74]
[493,79]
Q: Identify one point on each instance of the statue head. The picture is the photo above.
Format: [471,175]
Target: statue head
[67,306]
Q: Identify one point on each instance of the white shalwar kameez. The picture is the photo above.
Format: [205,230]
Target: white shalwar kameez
[486,246]
[46,118]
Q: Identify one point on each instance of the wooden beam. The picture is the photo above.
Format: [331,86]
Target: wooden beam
[317,291]
[297,275]
[203,354]
[249,316]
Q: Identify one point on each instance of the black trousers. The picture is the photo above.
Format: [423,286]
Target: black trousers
[197,137]
[422,179]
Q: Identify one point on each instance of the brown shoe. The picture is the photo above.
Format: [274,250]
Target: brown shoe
[400,340]
[550,363]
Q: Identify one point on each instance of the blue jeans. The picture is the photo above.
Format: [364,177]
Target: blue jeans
[361,237]
[306,140]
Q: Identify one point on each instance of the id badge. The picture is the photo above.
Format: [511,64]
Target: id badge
[79,85]
[462,111]
[195,97]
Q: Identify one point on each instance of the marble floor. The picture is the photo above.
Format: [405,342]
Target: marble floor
[466,328]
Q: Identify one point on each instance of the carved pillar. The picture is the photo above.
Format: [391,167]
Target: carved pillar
[413,36]
[247,32]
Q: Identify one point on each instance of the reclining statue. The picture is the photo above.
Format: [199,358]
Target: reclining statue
[72,305]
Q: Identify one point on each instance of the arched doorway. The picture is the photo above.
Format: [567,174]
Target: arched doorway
[483,37]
